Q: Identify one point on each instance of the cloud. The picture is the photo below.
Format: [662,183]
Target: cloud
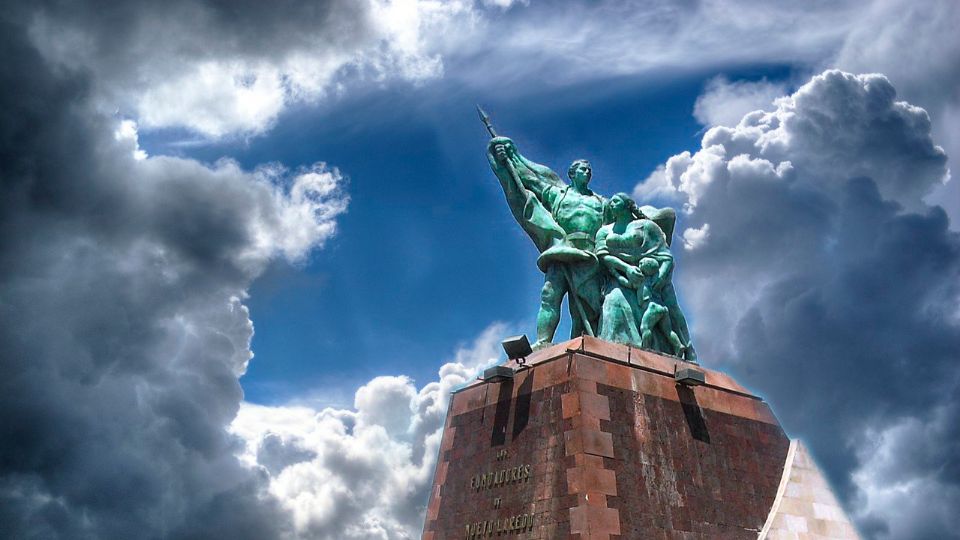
[661,184]
[913,43]
[589,41]
[363,472]
[829,285]
[906,466]
[886,37]
[694,238]
[505,4]
[916,46]
[872,135]
[724,103]
[123,278]
[224,69]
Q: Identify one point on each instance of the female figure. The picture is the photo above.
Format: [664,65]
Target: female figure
[640,309]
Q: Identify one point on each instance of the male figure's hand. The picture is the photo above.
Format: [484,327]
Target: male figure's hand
[501,147]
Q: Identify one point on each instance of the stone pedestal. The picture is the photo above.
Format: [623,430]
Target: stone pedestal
[593,440]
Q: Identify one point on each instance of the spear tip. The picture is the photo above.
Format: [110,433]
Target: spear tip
[486,120]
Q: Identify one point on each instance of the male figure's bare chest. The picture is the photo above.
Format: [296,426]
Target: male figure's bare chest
[583,212]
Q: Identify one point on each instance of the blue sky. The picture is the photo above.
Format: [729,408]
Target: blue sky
[175,176]
[427,223]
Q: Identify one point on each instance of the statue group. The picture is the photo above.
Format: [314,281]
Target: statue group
[610,257]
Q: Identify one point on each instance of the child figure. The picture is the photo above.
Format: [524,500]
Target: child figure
[655,314]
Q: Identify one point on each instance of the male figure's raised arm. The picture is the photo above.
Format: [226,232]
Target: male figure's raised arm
[530,197]
[545,174]
[538,179]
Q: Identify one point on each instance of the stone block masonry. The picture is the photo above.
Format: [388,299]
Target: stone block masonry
[593,440]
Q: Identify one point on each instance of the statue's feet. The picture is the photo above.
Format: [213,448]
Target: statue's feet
[690,354]
[541,344]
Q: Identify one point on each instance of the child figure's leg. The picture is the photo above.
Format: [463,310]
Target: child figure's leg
[648,322]
[667,329]
[677,344]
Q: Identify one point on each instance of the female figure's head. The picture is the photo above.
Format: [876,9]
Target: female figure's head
[621,206]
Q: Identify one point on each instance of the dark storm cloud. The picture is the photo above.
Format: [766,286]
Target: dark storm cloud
[123,332]
[830,287]
[223,68]
[114,39]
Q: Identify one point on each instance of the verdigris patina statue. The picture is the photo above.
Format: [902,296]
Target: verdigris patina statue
[562,220]
[598,267]
[640,304]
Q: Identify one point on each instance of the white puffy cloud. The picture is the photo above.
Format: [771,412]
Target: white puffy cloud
[363,472]
[724,103]
[127,132]
[307,214]
[913,44]
[825,128]
[694,238]
[215,99]
[661,184]
[829,284]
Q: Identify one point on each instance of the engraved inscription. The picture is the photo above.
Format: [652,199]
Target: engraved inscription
[502,477]
[513,524]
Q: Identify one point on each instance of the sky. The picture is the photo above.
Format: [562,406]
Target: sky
[249,248]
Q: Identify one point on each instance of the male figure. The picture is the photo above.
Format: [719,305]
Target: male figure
[562,220]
